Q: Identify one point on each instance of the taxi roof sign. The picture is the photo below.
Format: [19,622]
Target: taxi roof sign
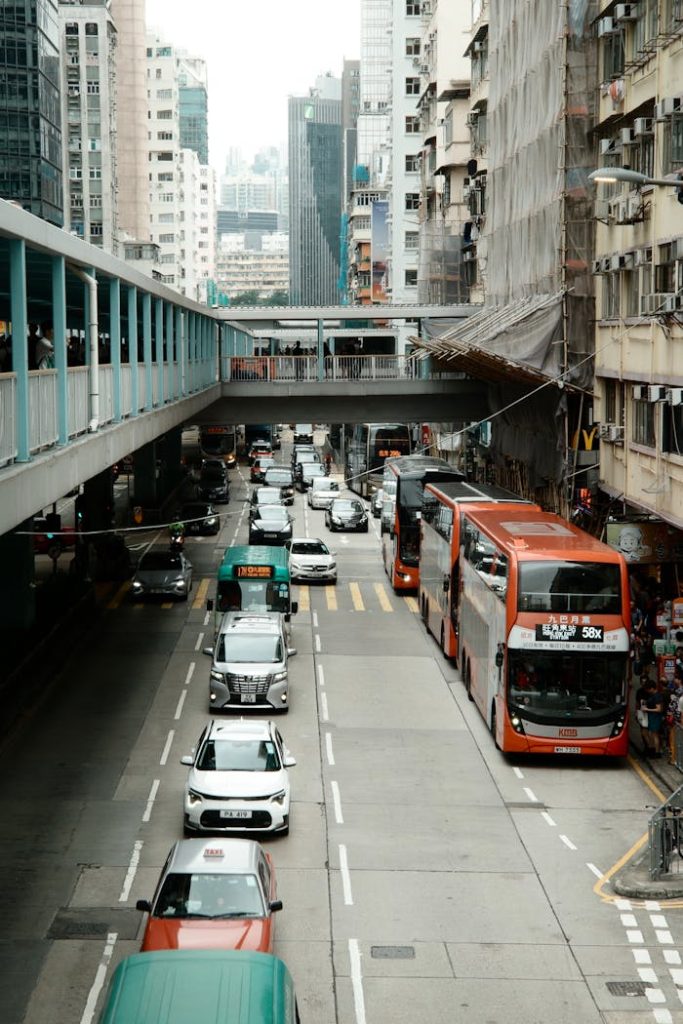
[213,851]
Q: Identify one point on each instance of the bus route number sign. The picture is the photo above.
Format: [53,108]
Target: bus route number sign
[569,633]
[388,453]
[254,572]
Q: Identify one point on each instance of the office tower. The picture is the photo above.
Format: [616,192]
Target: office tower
[30,110]
[88,46]
[193,106]
[315,192]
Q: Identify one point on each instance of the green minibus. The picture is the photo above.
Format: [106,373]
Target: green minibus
[202,986]
[253,578]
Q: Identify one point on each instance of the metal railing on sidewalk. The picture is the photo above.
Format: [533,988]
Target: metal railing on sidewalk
[665,833]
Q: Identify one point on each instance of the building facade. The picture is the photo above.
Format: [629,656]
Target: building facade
[31,142]
[193,106]
[247,263]
[315,193]
[89,49]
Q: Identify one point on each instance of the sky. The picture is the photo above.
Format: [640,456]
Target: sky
[258,53]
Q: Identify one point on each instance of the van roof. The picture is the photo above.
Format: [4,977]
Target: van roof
[249,622]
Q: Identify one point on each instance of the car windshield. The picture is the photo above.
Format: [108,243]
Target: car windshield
[209,895]
[309,547]
[253,595]
[307,457]
[213,474]
[278,476]
[303,428]
[314,469]
[274,514]
[340,505]
[154,560]
[322,484]
[560,685]
[569,587]
[195,511]
[249,647]
[226,755]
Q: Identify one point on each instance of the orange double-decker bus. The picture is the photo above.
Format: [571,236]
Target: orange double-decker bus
[443,506]
[544,633]
[404,481]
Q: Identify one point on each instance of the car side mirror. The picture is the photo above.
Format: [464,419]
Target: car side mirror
[295,607]
[275,905]
[499,659]
[209,605]
[291,651]
[144,905]
[209,651]
[289,761]
[189,761]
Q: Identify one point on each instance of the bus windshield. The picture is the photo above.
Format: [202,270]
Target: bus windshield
[252,595]
[551,683]
[569,587]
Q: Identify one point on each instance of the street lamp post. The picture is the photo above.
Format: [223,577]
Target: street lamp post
[629,177]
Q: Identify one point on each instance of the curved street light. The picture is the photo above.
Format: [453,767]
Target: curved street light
[625,174]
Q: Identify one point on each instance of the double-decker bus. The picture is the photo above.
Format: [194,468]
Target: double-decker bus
[403,483]
[368,448]
[253,578]
[544,624]
[217,441]
[443,506]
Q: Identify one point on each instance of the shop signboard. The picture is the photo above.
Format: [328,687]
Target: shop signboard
[646,543]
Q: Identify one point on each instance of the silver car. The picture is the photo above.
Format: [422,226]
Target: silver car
[250,663]
[322,492]
[163,574]
[311,559]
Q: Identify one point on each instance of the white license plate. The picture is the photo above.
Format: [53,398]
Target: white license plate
[235,814]
[270,536]
[567,750]
[248,698]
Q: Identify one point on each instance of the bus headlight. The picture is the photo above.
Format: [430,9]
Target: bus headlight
[517,724]
[618,726]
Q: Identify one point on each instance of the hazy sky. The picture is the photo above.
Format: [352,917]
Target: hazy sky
[258,53]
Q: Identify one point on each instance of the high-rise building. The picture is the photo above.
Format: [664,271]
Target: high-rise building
[315,192]
[350,112]
[249,262]
[88,45]
[131,125]
[193,106]
[30,108]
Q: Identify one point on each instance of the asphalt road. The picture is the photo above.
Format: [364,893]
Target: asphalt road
[426,877]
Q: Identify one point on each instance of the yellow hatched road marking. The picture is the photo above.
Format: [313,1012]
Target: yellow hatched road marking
[304,599]
[383,597]
[200,596]
[356,597]
[119,596]
[412,604]
[331,598]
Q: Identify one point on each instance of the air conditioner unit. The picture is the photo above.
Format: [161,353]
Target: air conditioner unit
[655,304]
[469,255]
[624,261]
[673,304]
[602,209]
[605,264]
[639,390]
[606,27]
[626,12]
[478,46]
[596,266]
[643,257]
[472,117]
[617,209]
[627,136]
[615,432]
[656,393]
[674,396]
[604,429]
[609,146]
[643,126]
[466,193]
[667,107]
[634,208]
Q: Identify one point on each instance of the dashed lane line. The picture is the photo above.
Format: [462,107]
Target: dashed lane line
[200,596]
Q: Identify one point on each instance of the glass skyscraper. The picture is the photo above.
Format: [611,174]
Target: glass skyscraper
[30,107]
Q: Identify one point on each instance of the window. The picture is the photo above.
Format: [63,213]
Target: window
[672,429]
[665,271]
[643,425]
[72,28]
[411,240]
[673,143]
[164,94]
[413,8]
[164,115]
[413,47]
[165,176]
[166,155]
[411,278]
[91,28]
[167,238]
[611,401]
[165,136]
[93,88]
[158,73]
[412,125]
[412,201]
[166,218]
[610,296]
[95,173]
[630,293]
[613,59]
[165,197]
[412,86]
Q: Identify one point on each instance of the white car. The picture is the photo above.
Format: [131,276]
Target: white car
[311,559]
[322,492]
[238,779]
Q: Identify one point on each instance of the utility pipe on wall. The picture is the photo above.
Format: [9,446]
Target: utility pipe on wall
[93,341]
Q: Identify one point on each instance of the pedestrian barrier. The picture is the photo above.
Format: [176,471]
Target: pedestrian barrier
[665,834]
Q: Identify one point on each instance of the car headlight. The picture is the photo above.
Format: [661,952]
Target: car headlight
[211,521]
[332,565]
[279,677]
[179,582]
[193,797]
[218,676]
[336,520]
[137,585]
[279,797]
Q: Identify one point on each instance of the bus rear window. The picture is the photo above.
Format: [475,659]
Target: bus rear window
[569,587]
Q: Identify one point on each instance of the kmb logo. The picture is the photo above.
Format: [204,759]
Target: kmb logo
[568,733]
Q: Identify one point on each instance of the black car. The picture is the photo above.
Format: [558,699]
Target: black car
[347,514]
[214,484]
[264,496]
[282,478]
[272,526]
[305,449]
[309,470]
[199,517]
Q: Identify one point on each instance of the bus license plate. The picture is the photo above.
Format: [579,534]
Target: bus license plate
[270,536]
[567,750]
[235,814]
[248,698]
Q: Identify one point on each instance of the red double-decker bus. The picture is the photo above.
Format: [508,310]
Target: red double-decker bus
[403,483]
[544,623]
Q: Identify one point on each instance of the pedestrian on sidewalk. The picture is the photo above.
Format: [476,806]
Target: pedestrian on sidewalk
[655,717]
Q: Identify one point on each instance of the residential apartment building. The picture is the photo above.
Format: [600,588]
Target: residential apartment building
[88,45]
[30,108]
[474,183]
[639,274]
[131,128]
[245,263]
[315,192]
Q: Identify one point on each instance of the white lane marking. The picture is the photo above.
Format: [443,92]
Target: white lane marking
[317,643]
[662,1016]
[336,799]
[596,871]
[132,869]
[328,747]
[652,905]
[345,876]
[655,995]
[672,956]
[567,842]
[150,800]
[198,644]
[664,937]
[658,921]
[181,701]
[167,747]
[357,981]
[635,937]
[547,819]
[647,974]
[321,676]
[315,620]
[100,975]
[622,904]
[531,795]
[207,618]
[629,920]
[324,708]
[642,956]
[676,976]
[518,772]
[190,673]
